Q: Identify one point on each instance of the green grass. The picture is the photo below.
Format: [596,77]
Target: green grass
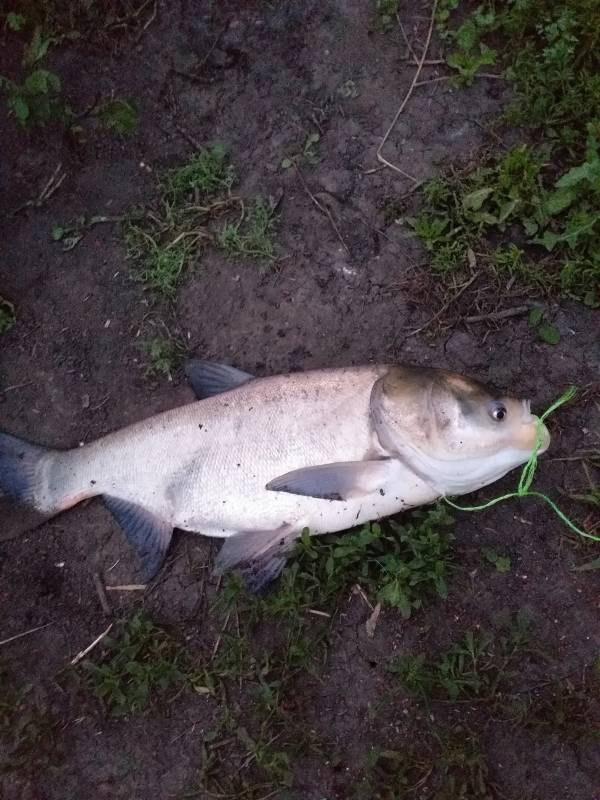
[251,236]
[137,667]
[172,234]
[543,194]
[447,763]
[206,174]
[255,679]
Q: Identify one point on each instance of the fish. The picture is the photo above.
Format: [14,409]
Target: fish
[255,461]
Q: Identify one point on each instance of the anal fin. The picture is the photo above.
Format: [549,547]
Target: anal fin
[148,534]
[261,555]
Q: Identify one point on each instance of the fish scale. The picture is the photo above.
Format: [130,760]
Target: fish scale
[257,460]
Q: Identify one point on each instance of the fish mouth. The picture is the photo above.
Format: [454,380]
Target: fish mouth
[530,423]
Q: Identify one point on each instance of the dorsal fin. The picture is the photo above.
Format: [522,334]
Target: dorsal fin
[209,378]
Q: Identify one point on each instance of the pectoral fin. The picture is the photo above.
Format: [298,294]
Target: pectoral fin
[260,554]
[339,481]
[149,535]
[209,378]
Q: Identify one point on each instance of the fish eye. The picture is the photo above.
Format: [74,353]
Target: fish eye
[498,412]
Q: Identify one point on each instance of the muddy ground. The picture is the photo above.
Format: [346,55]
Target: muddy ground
[265,76]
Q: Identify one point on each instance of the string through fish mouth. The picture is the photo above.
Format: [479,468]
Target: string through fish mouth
[529,470]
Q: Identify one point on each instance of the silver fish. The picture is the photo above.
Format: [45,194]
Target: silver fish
[257,460]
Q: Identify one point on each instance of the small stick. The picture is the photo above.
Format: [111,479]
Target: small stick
[324,209]
[489,75]
[357,589]
[494,315]
[445,307]
[429,62]
[127,587]
[91,646]
[148,22]
[218,642]
[318,613]
[101,592]
[407,97]
[16,386]
[371,623]
[25,633]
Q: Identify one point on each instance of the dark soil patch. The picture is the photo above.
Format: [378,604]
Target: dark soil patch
[260,77]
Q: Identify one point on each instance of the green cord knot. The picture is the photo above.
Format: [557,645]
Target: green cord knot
[528,473]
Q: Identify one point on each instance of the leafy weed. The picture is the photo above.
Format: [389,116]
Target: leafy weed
[501,563]
[547,194]
[142,664]
[475,667]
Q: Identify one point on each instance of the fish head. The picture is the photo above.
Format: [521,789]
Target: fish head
[453,431]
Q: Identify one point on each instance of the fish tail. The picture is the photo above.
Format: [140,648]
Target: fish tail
[26,498]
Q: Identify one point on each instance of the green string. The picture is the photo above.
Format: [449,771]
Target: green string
[528,474]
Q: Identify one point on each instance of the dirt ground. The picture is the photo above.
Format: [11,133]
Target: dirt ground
[267,75]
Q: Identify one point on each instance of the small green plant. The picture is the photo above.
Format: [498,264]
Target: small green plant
[36,100]
[501,563]
[163,355]
[118,115]
[308,155]
[206,174]
[546,332]
[475,667]
[142,664]
[7,315]
[251,236]
[385,14]
[163,266]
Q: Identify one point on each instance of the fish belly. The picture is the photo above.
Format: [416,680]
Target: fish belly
[204,467]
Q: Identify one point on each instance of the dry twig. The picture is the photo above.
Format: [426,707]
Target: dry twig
[91,646]
[25,633]
[407,97]
[323,209]
[101,592]
[445,307]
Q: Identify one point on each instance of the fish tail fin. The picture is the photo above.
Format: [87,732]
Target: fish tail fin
[24,503]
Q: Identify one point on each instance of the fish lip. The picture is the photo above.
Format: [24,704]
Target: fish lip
[546,439]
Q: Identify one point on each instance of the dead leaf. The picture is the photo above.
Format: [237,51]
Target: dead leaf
[371,623]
